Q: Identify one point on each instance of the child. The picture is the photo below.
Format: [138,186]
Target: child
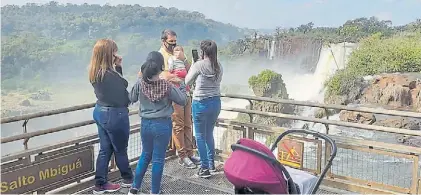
[177,67]
[155,109]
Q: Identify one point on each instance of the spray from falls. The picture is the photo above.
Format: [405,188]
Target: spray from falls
[302,87]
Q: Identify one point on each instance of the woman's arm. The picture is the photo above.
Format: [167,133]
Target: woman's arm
[192,74]
[134,93]
[178,95]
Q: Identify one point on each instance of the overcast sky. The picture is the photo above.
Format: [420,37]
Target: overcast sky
[272,13]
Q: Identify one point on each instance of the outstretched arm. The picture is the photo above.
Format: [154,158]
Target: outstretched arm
[134,93]
[192,74]
[178,95]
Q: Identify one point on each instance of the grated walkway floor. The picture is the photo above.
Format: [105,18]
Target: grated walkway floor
[178,180]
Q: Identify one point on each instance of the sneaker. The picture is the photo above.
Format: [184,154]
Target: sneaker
[187,163]
[203,173]
[212,168]
[108,187]
[126,183]
[133,191]
[195,160]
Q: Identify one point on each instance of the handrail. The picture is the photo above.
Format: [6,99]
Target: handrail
[340,139]
[46,113]
[329,122]
[327,106]
[245,97]
[239,110]
[51,130]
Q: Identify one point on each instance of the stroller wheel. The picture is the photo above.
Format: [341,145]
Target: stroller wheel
[297,188]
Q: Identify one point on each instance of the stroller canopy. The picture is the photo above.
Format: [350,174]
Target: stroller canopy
[244,169]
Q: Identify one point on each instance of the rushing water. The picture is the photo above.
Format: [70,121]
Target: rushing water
[309,87]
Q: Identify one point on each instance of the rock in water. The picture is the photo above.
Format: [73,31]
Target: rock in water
[398,91]
[25,103]
[321,112]
[399,122]
[270,84]
[357,117]
[403,123]
[409,140]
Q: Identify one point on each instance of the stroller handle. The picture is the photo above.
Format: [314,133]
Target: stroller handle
[273,161]
[315,134]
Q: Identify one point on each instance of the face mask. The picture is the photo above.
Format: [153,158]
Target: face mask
[170,47]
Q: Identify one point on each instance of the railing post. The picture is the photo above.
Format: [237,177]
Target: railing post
[25,141]
[326,125]
[415,175]
[419,186]
[328,151]
[249,130]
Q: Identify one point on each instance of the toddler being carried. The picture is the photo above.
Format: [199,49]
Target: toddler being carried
[177,67]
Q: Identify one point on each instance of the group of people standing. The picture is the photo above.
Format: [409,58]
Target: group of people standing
[165,108]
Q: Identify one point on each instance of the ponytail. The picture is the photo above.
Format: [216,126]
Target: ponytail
[215,65]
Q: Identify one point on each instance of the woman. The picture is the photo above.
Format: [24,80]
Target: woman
[111,114]
[155,96]
[206,106]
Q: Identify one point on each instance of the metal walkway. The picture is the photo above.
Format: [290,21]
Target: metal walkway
[178,180]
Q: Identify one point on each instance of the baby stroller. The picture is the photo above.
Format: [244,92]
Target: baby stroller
[253,169]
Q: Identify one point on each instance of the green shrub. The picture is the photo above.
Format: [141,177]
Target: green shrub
[376,55]
[343,82]
[263,78]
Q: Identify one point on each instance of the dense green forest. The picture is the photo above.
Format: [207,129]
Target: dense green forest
[52,42]
[351,31]
[55,41]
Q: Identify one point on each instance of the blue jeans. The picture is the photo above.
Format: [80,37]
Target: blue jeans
[113,131]
[205,114]
[155,135]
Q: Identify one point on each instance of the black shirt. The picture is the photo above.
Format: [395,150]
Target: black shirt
[112,91]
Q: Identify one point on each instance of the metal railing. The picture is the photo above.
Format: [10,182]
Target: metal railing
[249,130]
[363,166]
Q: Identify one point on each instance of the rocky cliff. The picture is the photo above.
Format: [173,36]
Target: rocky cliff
[391,91]
[301,51]
[399,91]
[265,84]
[270,84]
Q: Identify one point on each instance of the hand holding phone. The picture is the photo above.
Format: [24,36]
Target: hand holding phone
[195,55]
[117,60]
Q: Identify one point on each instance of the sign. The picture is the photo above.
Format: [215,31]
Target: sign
[290,153]
[39,174]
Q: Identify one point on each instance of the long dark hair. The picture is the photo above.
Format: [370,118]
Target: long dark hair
[210,50]
[153,66]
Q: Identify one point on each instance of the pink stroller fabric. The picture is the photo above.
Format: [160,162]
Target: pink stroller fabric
[244,169]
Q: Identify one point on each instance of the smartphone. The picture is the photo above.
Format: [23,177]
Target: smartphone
[195,55]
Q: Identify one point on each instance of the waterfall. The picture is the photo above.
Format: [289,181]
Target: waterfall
[272,50]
